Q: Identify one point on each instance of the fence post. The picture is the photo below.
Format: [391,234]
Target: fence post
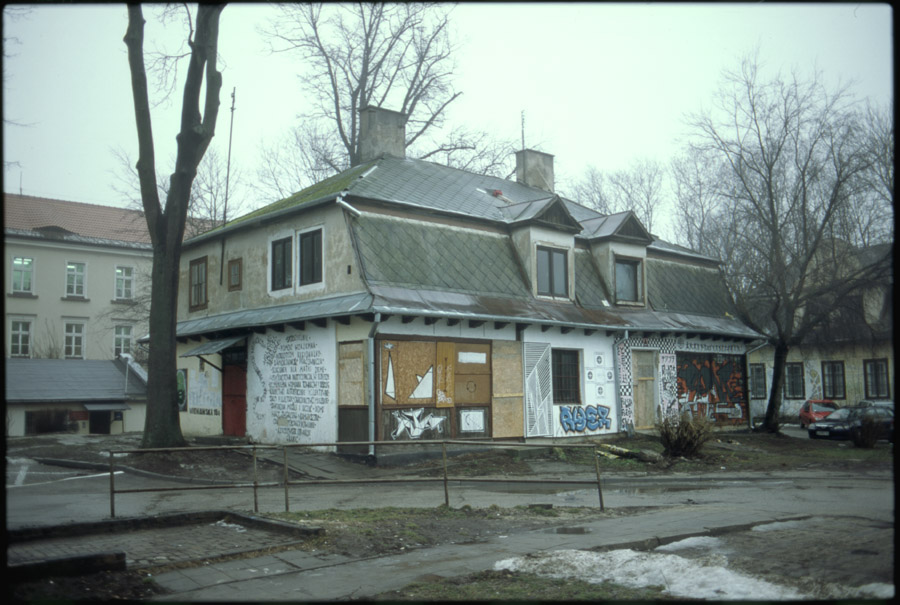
[446,489]
[255,483]
[112,486]
[597,468]
[287,506]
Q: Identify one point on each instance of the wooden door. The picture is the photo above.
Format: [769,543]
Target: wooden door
[234,401]
[643,373]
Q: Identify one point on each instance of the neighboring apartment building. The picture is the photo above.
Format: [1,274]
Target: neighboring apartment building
[847,359]
[402,299]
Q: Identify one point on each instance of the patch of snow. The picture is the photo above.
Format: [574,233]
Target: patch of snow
[779,525]
[695,542]
[681,577]
[234,526]
[877,590]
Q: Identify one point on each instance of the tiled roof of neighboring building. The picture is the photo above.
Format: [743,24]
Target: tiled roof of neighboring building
[59,218]
[46,380]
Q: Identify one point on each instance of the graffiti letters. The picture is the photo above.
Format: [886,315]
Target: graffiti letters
[578,418]
[413,424]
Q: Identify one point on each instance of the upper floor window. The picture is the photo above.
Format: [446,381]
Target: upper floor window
[124,283]
[75,279]
[757,381]
[122,340]
[566,368]
[235,274]
[198,284]
[20,338]
[310,260]
[629,280]
[281,263]
[794,387]
[552,272]
[833,379]
[74,341]
[22,274]
[875,374]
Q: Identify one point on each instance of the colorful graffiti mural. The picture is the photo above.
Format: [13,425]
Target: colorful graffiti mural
[577,419]
[712,385]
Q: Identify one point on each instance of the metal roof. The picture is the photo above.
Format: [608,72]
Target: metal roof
[50,380]
[213,346]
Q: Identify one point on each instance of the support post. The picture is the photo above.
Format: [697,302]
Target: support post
[597,468]
[112,486]
[255,483]
[446,489]
[287,506]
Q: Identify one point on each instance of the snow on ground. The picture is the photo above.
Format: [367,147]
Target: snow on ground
[681,577]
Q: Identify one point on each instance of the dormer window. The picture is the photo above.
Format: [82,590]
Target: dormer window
[552,272]
[629,280]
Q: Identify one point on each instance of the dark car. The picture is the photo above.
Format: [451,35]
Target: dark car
[844,422]
[814,410]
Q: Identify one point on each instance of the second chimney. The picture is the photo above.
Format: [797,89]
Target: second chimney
[535,169]
[381,132]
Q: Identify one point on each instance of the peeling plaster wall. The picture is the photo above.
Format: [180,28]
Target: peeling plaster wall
[203,407]
[292,386]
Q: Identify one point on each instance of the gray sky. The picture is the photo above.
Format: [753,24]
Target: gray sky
[600,84]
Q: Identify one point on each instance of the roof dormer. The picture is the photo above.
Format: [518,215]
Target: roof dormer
[619,245]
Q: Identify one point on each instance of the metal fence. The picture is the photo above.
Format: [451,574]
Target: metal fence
[287,483]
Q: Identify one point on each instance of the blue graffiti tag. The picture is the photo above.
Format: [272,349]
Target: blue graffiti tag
[577,418]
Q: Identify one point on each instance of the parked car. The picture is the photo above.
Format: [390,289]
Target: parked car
[868,403]
[842,423]
[814,410]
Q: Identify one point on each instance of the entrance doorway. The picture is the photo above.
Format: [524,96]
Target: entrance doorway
[643,373]
[234,400]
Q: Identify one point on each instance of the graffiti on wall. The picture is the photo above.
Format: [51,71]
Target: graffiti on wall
[577,418]
[290,387]
[204,396]
[711,386]
[411,424]
[668,385]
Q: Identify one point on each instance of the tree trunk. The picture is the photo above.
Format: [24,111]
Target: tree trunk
[773,410]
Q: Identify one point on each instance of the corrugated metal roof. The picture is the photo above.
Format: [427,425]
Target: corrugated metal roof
[47,380]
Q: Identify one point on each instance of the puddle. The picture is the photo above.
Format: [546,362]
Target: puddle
[569,530]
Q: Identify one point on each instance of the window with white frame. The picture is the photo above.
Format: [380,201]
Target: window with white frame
[794,387]
[758,381]
[74,341]
[22,274]
[629,280]
[75,279]
[124,283]
[552,272]
[875,375]
[833,379]
[20,338]
[122,340]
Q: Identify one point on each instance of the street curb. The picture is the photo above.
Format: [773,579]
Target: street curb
[99,466]
[77,565]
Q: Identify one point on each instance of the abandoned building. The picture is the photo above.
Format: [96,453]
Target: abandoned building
[403,299]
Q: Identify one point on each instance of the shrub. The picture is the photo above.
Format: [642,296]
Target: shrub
[683,435]
[867,433]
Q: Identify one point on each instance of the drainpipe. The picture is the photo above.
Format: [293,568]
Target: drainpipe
[371,382]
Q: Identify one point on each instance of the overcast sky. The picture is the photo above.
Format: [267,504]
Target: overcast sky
[600,84]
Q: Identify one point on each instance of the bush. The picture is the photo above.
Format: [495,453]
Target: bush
[867,433]
[683,435]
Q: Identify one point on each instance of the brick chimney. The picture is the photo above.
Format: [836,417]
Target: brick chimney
[535,169]
[381,131]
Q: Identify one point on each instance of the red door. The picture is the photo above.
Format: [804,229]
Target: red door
[234,401]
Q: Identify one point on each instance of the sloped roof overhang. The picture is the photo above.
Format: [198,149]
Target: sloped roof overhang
[213,346]
[106,407]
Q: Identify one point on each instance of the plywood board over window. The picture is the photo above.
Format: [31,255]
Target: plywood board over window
[472,382]
[407,372]
[351,373]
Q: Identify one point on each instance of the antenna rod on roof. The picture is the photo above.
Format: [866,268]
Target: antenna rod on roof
[523,129]
[227,178]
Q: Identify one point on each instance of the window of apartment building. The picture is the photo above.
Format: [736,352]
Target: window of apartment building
[122,340]
[281,263]
[566,368]
[794,387]
[628,280]
[75,279]
[758,381]
[22,274]
[124,283]
[552,272]
[875,372]
[235,274]
[20,338]
[198,290]
[833,379]
[74,341]
[310,245]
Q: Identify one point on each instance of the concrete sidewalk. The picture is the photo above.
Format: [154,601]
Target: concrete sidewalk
[303,576]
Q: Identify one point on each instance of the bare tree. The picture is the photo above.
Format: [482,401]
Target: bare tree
[167,224]
[592,190]
[795,159]
[702,214]
[396,55]
[638,188]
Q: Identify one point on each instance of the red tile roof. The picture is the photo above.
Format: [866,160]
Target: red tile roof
[89,220]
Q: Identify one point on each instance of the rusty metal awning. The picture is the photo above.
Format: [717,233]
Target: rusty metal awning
[213,346]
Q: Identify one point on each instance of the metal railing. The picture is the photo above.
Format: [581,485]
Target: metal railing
[287,483]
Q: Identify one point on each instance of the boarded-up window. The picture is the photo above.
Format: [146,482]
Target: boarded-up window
[351,389]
